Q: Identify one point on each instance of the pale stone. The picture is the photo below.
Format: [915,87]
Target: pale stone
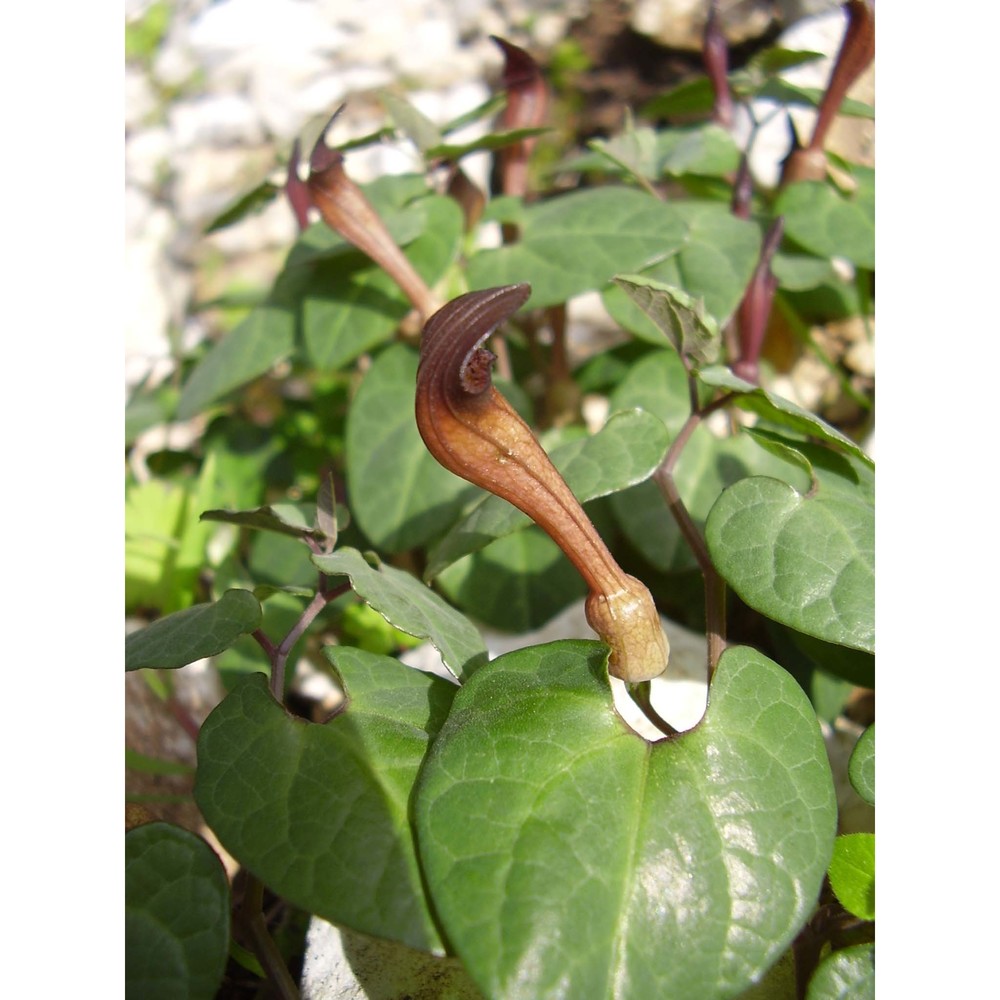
[215,120]
[680,24]
[147,156]
[140,101]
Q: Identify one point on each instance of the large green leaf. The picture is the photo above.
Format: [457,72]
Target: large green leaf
[715,264]
[176,915]
[625,451]
[576,243]
[399,496]
[320,812]
[412,607]
[517,583]
[829,223]
[189,635]
[806,560]
[847,974]
[348,310]
[861,768]
[568,857]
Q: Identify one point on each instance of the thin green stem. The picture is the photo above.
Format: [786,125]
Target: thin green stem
[263,944]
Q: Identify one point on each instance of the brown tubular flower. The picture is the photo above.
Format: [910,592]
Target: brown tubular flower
[476,434]
[755,309]
[527,104]
[715,54]
[857,50]
[345,209]
[470,199]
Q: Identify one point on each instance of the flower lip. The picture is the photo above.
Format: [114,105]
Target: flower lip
[453,335]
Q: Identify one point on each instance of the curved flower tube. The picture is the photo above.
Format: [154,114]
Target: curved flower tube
[476,434]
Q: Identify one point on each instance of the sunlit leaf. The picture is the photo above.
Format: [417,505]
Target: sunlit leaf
[567,856]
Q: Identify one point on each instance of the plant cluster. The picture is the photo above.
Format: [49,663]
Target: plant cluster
[371,475]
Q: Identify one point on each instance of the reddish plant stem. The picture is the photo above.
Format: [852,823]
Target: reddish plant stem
[280,653]
[715,54]
[715,586]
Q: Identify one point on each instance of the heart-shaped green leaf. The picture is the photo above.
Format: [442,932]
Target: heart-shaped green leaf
[576,243]
[861,769]
[412,607]
[176,914]
[320,812]
[400,496]
[625,451]
[566,856]
[189,635]
[847,974]
[806,560]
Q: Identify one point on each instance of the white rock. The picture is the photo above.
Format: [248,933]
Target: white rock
[207,180]
[274,227]
[140,100]
[147,156]
[265,28]
[680,24]
[215,120]
[343,965]
[147,305]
